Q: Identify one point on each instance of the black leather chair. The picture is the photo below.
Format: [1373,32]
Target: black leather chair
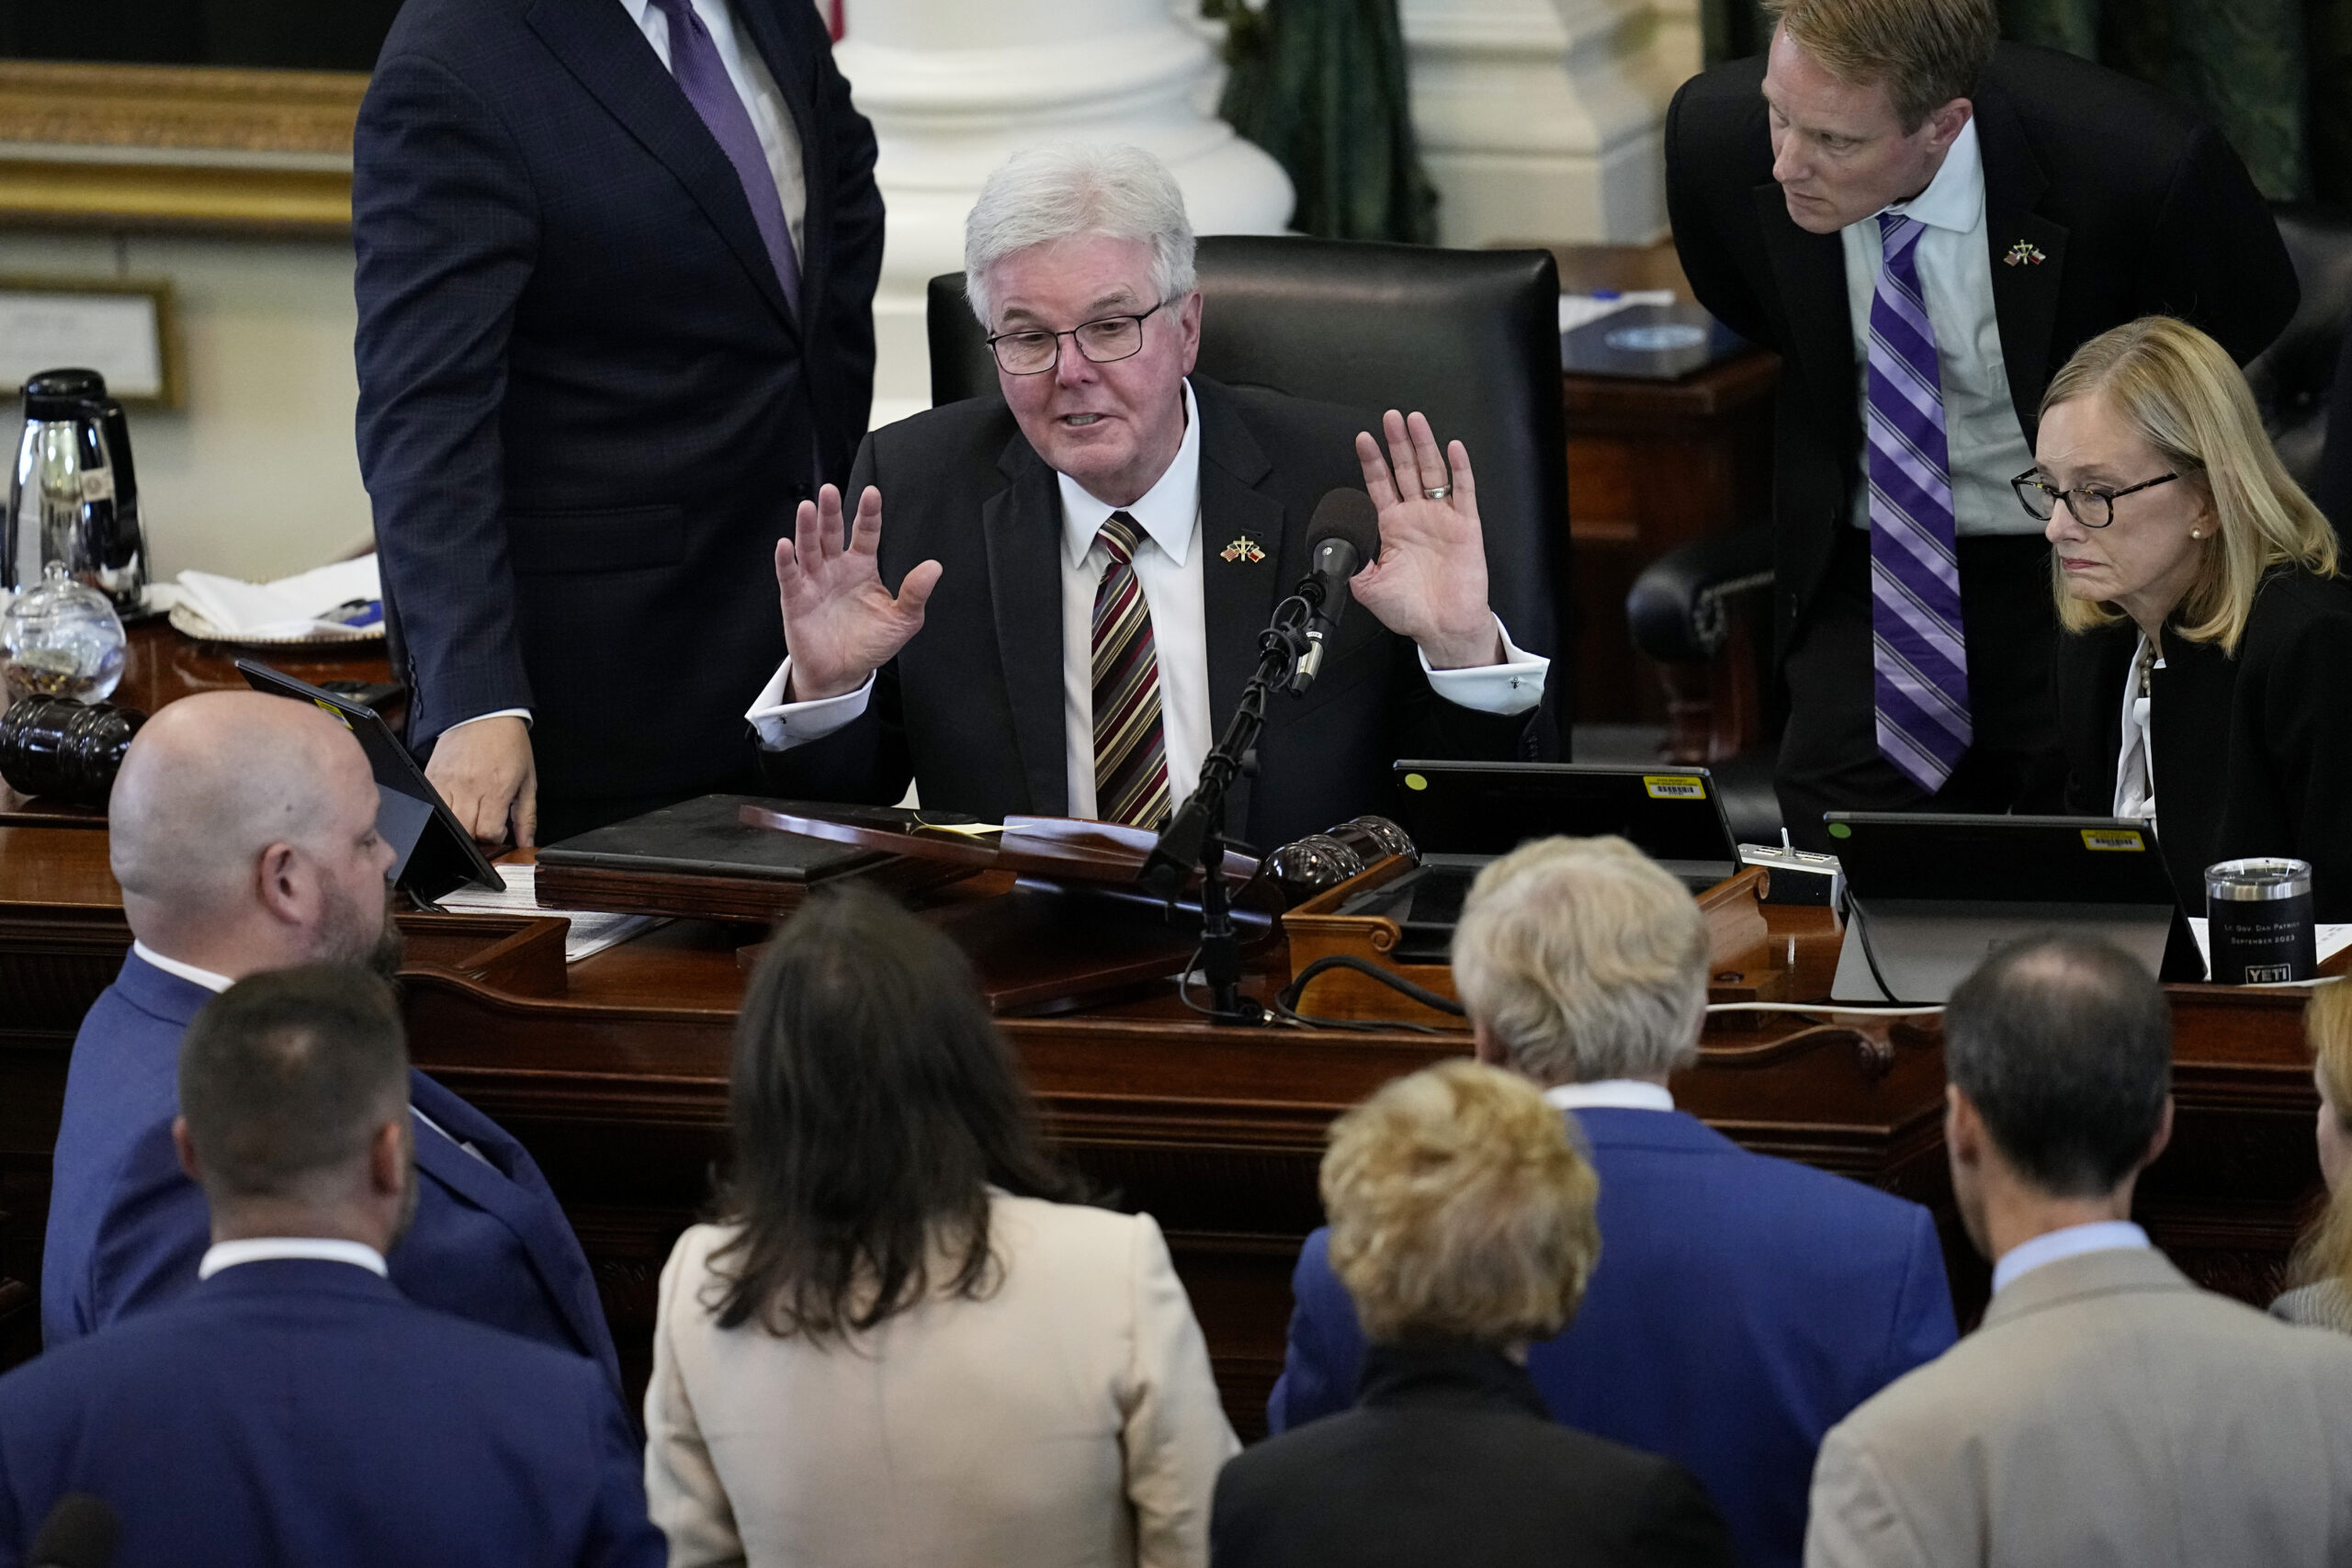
[1469,337]
[1687,606]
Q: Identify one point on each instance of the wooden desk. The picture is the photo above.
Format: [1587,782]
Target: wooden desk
[616,1076]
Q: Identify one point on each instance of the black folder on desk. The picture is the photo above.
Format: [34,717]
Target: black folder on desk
[706,837]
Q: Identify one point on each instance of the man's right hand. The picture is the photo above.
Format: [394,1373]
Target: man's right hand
[486,772]
[840,623]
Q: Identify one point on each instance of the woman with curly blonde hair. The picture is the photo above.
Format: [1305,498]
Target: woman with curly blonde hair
[1462,1225]
[2322,1270]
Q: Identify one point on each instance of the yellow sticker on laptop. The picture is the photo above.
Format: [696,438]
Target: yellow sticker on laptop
[2113,839]
[1674,786]
[331,711]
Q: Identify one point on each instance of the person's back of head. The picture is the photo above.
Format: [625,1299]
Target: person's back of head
[874,1103]
[293,1089]
[2323,1257]
[242,832]
[2060,1049]
[1460,1210]
[1581,960]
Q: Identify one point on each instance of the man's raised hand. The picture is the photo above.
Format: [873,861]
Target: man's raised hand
[840,623]
[1429,584]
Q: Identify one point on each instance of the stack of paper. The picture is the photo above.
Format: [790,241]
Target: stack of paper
[592,930]
[292,606]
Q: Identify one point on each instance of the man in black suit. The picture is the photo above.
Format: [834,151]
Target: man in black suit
[2028,201]
[617,262]
[1090,562]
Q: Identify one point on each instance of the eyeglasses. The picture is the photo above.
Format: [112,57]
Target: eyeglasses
[2091,505]
[1032,351]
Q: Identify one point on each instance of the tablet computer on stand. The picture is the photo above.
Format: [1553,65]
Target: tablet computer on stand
[1927,894]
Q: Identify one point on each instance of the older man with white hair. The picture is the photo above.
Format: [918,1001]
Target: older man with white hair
[1743,1304]
[242,831]
[1066,603]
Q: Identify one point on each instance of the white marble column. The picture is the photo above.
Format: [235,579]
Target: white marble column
[1541,119]
[953,86]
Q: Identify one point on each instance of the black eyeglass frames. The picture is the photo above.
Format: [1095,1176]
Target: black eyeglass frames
[2091,505]
[1032,351]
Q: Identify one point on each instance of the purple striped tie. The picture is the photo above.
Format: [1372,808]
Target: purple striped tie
[1920,656]
[693,61]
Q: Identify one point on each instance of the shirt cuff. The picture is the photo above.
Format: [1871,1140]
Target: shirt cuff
[523,714]
[1513,686]
[781,725]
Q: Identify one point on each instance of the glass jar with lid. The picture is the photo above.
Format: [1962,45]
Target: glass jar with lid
[62,639]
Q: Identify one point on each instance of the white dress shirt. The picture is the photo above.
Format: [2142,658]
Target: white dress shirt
[261,1249]
[770,119]
[2101,1235]
[217,983]
[2135,761]
[1167,567]
[1609,1094]
[1986,444]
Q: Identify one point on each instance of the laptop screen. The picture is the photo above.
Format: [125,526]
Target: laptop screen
[2015,860]
[1670,813]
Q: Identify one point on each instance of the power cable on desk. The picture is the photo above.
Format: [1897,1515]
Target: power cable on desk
[1286,1000]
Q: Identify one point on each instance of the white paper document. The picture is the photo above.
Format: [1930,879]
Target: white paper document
[292,606]
[1576,310]
[592,930]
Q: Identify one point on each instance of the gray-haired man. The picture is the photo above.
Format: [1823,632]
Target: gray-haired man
[1068,598]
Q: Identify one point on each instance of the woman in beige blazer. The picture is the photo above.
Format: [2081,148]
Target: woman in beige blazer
[899,1348]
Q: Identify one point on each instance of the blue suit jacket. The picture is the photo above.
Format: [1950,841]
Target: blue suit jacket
[127,1228]
[301,1413]
[586,408]
[1742,1306]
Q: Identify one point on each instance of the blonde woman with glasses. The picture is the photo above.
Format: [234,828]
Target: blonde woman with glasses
[2204,677]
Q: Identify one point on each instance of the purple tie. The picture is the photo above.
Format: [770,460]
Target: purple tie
[693,61]
[1921,658]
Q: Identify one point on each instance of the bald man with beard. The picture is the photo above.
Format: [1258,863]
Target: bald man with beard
[242,831]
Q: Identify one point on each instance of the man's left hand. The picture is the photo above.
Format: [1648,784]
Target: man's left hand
[1429,584]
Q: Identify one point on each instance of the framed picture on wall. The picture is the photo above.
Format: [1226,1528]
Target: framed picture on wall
[121,328]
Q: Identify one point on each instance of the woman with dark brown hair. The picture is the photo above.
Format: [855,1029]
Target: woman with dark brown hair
[2322,1270]
[900,1343]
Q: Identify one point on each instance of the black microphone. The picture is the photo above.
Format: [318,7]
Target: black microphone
[79,1533]
[1342,538]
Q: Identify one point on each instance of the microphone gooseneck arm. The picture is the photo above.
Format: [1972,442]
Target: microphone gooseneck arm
[1195,836]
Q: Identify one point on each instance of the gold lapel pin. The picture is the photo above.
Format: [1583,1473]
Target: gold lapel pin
[2025,252]
[1243,548]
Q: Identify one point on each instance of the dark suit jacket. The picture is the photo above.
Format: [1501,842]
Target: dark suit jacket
[2253,754]
[301,1413]
[1451,1458]
[586,410]
[971,709]
[2139,208]
[127,1228]
[1742,1306]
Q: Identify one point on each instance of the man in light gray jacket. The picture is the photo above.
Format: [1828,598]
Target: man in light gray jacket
[2108,1412]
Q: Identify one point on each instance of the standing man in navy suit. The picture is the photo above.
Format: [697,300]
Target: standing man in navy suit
[244,834]
[1742,1306]
[617,262]
[293,1407]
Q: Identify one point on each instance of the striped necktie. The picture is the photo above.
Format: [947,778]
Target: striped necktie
[1130,751]
[1919,659]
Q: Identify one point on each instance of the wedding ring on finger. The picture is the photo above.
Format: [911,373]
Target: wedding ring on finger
[1437,493]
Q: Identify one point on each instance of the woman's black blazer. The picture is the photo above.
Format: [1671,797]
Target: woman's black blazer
[2253,752]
